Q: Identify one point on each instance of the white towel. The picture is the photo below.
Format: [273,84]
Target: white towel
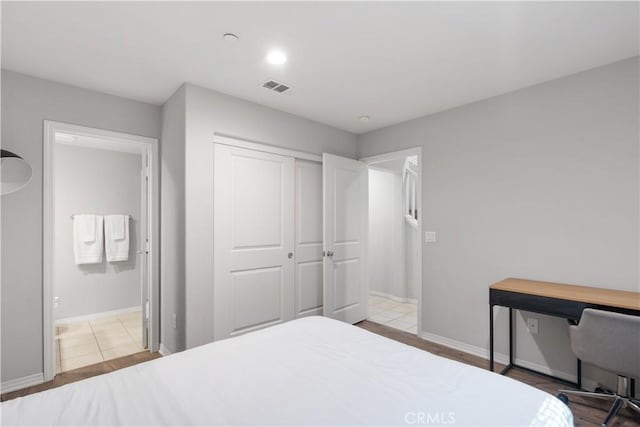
[116,237]
[87,239]
[117,223]
[87,227]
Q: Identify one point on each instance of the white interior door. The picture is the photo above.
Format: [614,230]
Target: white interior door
[253,245]
[346,222]
[308,254]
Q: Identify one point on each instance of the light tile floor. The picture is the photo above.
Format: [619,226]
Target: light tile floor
[398,315]
[94,341]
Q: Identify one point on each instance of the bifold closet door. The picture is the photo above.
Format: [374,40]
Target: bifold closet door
[253,241]
[308,255]
[346,223]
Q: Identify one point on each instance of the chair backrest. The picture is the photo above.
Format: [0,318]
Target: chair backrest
[608,340]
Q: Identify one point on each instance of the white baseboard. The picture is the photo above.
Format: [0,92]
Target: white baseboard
[164,351]
[94,316]
[393,297]
[20,383]
[467,348]
[504,359]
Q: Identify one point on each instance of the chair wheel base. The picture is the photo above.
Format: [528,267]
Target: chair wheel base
[563,398]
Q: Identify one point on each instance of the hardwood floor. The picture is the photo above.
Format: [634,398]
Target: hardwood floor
[586,412]
[84,372]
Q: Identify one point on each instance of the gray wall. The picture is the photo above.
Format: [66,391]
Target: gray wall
[172,264]
[208,112]
[26,103]
[90,180]
[541,183]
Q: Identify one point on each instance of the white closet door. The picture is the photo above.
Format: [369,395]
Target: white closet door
[253,242]
[346,222]
[308,297]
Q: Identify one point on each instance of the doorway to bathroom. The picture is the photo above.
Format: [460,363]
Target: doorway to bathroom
[395,250]
[99,235]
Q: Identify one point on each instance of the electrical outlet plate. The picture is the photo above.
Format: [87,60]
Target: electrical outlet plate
[532,325]
[429,236]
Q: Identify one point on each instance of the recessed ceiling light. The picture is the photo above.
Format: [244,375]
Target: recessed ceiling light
[277,57]
[230,37]
[364,119]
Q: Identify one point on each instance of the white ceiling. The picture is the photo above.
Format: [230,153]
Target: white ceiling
[391,61]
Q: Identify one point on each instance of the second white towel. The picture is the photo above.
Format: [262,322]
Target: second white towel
[116,237]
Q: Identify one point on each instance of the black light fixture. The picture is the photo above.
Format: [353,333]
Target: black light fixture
[15,172]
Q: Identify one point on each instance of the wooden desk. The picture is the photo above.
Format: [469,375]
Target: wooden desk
[553,299]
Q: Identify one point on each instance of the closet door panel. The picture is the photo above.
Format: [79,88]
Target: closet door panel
[254,234]
[257,187]
[308,296]
[309,286]
[257,297]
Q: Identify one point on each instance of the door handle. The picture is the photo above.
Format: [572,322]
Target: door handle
[142,252]
[290,255]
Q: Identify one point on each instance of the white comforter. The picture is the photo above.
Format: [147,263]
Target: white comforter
[312,371]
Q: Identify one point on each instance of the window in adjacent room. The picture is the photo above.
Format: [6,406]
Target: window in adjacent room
[411,210]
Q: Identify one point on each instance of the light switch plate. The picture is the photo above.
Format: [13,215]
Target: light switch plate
[429,236]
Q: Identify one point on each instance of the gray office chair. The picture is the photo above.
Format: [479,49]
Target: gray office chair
[610,341]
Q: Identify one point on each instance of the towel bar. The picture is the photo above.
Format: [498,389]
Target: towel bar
[130,217]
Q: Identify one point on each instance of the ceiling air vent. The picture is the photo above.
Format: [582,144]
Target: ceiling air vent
[276,86]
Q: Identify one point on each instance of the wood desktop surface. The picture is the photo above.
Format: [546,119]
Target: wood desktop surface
[586,294]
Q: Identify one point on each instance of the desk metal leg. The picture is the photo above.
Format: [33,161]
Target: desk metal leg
[511,343]
[511,340]
[491,337]
[579,382]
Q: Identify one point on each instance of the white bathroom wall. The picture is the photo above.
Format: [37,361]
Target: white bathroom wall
[387,271]
[89,180]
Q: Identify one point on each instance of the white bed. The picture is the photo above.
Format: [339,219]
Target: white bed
[312,371]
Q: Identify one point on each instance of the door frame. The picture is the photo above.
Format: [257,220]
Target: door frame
[416,151]
[265,148]
[149,147]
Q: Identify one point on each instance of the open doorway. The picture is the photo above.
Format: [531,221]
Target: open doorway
[98,240]
[395,251]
